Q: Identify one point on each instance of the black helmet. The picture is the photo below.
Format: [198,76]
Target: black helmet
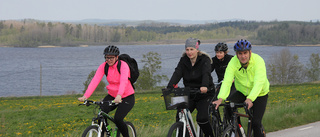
[221,47]
[111,50]
[242,45]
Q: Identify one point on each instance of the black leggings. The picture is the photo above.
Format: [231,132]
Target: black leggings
[258,108]
[202,106]
[123,109]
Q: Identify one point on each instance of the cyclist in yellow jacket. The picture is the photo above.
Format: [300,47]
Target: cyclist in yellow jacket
[248,71]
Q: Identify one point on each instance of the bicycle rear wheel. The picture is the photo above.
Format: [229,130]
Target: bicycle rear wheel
[176,130]
[131,130]
[91,131]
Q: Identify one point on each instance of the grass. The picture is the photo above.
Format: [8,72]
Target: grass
[51,116]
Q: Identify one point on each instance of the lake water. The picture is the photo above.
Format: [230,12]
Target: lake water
[64,69]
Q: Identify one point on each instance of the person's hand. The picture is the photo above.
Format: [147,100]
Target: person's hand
[203,89]
[217,102]
[82,98]
[118,99]
[249,103]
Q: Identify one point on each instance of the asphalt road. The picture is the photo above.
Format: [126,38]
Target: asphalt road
[309,130]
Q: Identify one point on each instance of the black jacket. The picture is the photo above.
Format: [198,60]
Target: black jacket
[195,76]
[220,66]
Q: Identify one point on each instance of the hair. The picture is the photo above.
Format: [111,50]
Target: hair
[200,53]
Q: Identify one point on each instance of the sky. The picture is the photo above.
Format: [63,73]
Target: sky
[253,10]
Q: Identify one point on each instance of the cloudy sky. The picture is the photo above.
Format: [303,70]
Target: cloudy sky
[258,10]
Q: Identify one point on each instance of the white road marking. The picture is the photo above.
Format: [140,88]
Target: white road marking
[305,128]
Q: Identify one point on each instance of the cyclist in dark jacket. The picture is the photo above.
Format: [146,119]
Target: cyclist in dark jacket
[221,60]
[194,68]
[220,63]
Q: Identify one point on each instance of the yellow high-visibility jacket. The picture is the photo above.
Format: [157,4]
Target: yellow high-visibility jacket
[252,81]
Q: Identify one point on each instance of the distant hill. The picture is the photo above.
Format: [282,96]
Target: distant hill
[119,22]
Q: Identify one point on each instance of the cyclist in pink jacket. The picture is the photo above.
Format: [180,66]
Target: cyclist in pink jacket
[119,88]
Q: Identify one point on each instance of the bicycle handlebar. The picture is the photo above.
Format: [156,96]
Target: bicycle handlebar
[99,103]
[237,105]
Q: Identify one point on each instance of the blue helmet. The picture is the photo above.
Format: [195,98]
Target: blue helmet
[242,45]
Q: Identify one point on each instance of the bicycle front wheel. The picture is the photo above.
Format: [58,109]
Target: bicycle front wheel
[215,126]
[229,132]
[131,130]
[176,130]
[91,131]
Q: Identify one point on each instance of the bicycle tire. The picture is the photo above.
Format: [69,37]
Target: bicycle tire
[215,126]
[91,131]
[178,126]
[214,122]
[229,132]
[131,130]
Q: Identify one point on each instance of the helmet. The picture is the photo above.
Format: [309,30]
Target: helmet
[242,45]
[221,47]
[111,50]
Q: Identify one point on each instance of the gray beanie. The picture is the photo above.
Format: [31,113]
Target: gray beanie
[191,42]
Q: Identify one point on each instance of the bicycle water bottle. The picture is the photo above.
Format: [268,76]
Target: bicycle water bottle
[109,130]
[242,131]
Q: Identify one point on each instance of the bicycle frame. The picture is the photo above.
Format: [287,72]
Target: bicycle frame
[186,118]
[236,114]
[103,122]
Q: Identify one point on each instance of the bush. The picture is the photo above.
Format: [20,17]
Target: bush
[285,68]
[148,78]
[313,68]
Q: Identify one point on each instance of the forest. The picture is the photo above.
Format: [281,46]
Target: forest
[34,33]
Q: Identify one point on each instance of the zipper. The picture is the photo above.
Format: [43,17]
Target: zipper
[247,81]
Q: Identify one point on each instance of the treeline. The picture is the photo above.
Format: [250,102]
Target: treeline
[290,33]
[33,33]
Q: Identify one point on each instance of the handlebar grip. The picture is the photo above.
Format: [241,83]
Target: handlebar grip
[247,110]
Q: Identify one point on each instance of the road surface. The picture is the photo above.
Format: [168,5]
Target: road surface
[309,130]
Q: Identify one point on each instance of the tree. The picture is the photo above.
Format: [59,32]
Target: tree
[313,68]
[101,86]
[148,78]
[285,68]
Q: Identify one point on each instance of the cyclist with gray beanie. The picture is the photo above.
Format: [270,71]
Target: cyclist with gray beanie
[194,68]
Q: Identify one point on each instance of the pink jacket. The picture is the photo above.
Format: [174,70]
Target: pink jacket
[119,84]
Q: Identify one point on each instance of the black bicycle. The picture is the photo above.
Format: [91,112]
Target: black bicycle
[218,123]
[100,126]
[234,128]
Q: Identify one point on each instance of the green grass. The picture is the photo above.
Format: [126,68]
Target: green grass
[288,106]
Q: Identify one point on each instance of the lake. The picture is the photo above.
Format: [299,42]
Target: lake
[65,69]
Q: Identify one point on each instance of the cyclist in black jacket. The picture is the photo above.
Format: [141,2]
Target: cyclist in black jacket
[194,68]
[220,63]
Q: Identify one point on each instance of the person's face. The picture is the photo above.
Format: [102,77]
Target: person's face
[191,52]
[220,54]
[244,56]
[111,59]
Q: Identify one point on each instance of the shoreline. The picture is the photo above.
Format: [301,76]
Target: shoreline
[143,43]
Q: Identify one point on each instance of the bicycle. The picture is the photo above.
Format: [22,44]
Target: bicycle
[100,122]
[218,124]
[177,99]
[235,129]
